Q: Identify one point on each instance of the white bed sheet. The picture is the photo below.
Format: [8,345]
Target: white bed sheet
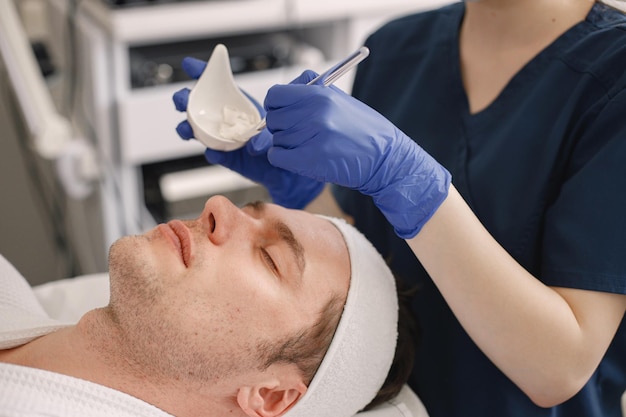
[68,299]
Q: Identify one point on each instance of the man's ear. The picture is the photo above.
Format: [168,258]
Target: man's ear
[271,398]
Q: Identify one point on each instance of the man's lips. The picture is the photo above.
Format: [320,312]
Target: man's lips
[178,233]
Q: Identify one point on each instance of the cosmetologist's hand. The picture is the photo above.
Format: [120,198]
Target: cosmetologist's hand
[286,188]
[325,134]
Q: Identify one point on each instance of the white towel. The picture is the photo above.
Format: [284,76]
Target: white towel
[34,392]
[22,318]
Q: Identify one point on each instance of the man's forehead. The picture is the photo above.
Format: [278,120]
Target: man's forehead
[299,220]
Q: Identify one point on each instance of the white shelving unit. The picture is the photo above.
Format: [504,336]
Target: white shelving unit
[132,127]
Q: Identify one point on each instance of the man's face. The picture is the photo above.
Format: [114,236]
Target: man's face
[196,299]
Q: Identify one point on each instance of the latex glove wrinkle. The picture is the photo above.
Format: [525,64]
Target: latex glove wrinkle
[325,134]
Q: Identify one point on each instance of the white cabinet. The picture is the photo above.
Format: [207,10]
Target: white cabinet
[136,126]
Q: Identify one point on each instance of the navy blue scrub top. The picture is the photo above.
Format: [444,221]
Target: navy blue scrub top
[543,167]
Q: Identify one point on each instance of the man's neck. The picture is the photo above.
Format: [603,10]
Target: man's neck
[93,350]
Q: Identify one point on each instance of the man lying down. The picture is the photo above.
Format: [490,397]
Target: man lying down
[253,311]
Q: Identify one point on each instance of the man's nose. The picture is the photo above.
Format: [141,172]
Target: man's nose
[222,220]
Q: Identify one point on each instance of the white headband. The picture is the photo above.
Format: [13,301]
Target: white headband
[362,350]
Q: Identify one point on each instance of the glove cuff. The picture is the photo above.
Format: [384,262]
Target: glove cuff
[410,188]
[408,212]
[408,207]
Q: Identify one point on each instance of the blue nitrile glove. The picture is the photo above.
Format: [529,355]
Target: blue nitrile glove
[286,188]
[328,135]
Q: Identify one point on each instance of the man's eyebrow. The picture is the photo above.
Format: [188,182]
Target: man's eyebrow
[288,237]
[285,234]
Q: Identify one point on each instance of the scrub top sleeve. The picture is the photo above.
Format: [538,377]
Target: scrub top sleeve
[585,228]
